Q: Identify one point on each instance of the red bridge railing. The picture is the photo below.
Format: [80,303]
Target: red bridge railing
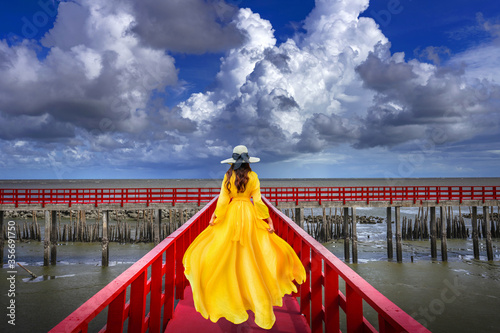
[199,196]
[321,299]
[154,283]
[415,194]
[157,280]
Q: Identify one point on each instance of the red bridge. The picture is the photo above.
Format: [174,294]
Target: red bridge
[123,197]
[153,294]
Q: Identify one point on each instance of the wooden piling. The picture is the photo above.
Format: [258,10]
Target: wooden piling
[171,221]
[324,234]
[46,240]
[475,240]
[1,237]
[105,242]
[346,234]
[299,214]
[389,234]
[449,218]
[492,222]
[444,247]
[53,238]
[157,226]
[354,237]
[489,248]
[399,248]
[433,233]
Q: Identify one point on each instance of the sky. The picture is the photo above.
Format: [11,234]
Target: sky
[93,89]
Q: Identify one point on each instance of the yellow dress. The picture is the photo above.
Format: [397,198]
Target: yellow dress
[237,265]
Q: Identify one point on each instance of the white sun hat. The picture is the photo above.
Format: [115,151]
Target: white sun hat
[240,155]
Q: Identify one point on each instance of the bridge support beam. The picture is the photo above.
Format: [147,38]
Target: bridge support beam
[346,234]
[354,237]
[105,241]
[389,234]
[487,222]
[1,237]
[433,233]
[399,248]
[157,226]
[444,246]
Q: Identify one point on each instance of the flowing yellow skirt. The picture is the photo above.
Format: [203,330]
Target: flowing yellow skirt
[237,265]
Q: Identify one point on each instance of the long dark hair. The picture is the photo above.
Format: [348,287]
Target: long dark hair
[241,177]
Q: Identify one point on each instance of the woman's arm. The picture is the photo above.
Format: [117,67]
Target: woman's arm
[212,219]
[222,203]
[271,225]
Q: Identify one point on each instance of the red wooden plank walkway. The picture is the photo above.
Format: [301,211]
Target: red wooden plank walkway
[186,319]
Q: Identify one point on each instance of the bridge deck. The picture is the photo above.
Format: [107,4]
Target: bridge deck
[186,319]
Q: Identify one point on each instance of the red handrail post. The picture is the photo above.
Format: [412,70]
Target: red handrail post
[168,309]
[179,268]
[137,304]
[332,305]
[43,198]
[156,293]
[354,310]
[115,313]
[316,293]
[305,288]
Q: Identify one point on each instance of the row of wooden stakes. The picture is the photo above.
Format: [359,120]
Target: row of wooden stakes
[418,230]
[78,227]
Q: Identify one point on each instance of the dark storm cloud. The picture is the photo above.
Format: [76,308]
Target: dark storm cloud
[382,76]
[187,26]
[321,131]
[43,128]
[171,120]
[407,107]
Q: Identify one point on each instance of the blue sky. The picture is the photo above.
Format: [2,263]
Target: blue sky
[326,88]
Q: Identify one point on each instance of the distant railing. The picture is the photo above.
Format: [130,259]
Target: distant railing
[199,196]
[158,280]
[320,296]
[390,194]
[99,196]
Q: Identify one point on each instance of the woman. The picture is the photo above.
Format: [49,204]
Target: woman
[238,263]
